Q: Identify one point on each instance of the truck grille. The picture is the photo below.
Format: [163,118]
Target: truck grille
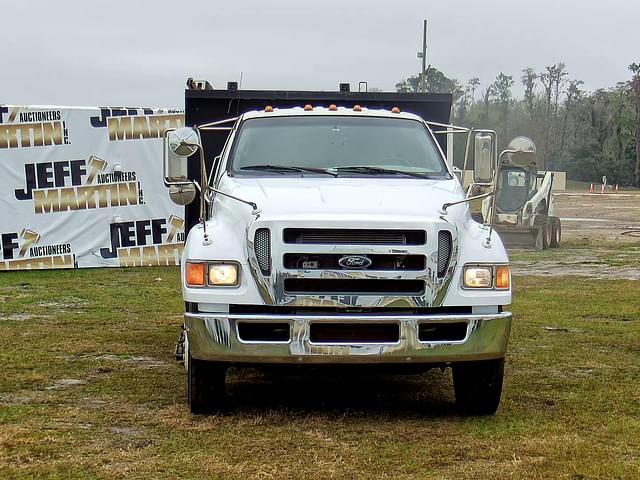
[303,263]
[445,243]
[310,261]
[323,286]
[262,248]
[324,236]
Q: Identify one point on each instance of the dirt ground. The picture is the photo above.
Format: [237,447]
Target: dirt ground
[600,238]
[607,218]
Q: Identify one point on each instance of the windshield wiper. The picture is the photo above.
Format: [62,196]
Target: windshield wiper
[287,168]
[381,171]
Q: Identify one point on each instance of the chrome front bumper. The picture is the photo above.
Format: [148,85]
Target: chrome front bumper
[214,336]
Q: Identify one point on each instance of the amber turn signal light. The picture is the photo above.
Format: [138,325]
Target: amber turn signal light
[503,277]
[194,274]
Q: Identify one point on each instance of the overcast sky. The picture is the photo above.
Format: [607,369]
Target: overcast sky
[134,52]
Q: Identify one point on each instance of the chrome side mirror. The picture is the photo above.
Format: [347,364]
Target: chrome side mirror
[178,146]
[484,156]
[184,141]
[182,194]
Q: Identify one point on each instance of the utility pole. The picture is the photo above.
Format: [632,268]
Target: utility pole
[423,56]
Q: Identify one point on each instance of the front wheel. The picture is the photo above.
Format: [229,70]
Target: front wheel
[547,234]
[557,232]
[478,386]
[205,385]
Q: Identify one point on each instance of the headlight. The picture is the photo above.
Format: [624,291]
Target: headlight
[219,274]
[223,274]
[487,276]
[478,277]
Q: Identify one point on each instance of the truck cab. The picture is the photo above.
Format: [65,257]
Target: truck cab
[337,234]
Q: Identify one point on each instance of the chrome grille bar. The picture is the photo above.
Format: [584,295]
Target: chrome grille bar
[354,236]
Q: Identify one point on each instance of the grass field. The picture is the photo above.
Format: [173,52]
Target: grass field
[89,389]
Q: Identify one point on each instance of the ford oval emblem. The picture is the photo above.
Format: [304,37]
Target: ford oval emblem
[354,261]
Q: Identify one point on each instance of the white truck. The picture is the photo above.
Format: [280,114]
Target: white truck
[335,232]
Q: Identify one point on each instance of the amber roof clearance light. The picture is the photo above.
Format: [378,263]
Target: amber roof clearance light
[308,108]
[357,108]
[333,108]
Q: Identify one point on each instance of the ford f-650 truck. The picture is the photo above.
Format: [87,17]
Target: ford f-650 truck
[328,228]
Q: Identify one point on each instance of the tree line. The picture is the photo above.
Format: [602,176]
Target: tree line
[587,134]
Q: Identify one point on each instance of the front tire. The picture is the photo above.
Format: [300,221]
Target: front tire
[547,234]
[478,386]
[205,385]
[557,232]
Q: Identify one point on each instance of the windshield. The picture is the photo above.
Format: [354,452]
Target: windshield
[337,144]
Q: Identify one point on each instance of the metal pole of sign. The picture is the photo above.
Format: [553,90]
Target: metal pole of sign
[424,58]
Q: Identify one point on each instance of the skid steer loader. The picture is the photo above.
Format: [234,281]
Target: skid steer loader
[524,210]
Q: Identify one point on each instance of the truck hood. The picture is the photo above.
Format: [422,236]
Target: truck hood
[306,196]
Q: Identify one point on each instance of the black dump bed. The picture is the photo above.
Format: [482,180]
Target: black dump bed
[204,106]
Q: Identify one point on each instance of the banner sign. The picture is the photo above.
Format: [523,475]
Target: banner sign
[83,187]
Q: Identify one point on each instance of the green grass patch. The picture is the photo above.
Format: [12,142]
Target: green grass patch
[585,252]
[89,389]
